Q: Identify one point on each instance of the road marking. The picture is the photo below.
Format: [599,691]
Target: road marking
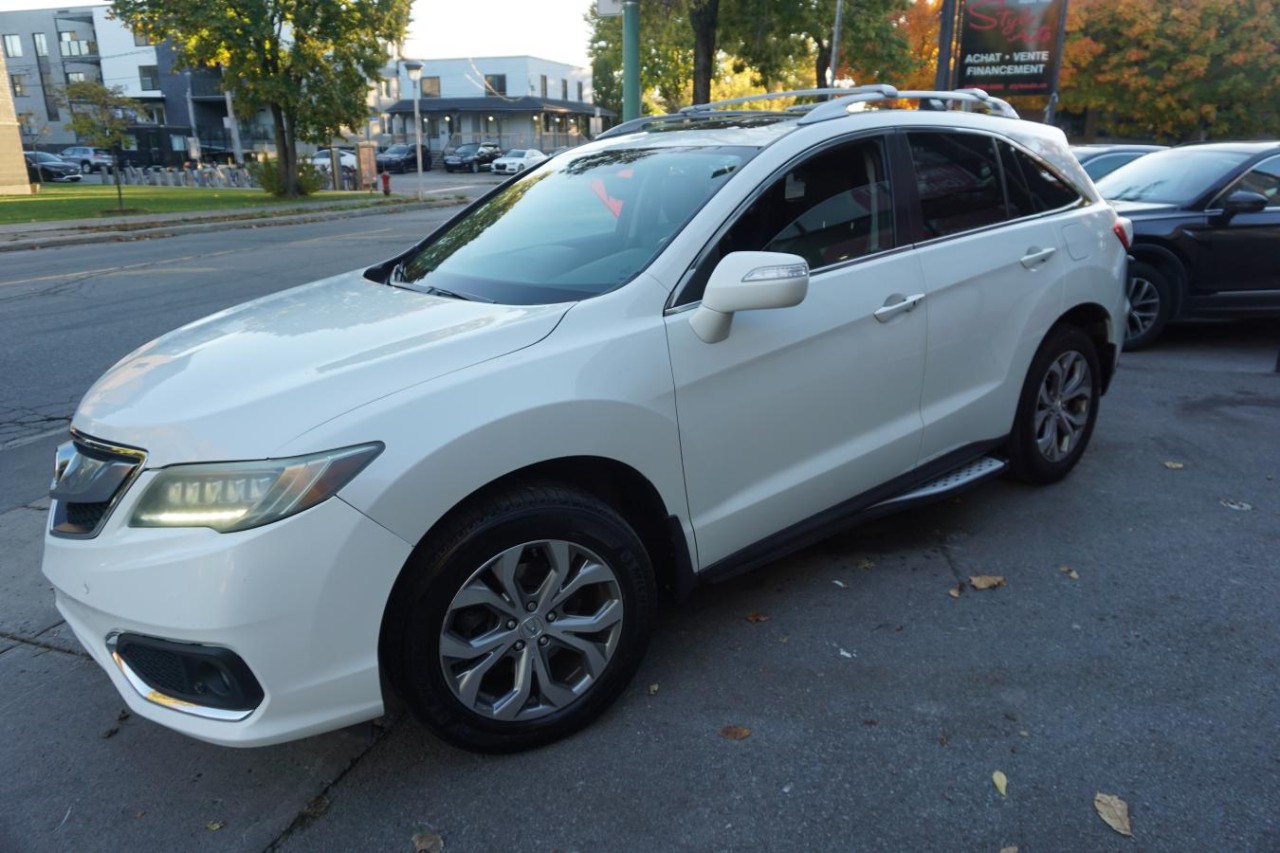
[32,439]
[57,276]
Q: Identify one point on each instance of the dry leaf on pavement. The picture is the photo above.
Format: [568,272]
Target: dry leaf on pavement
[1069,572]
[215,825]
[1013,849]
[954,592]
[653,690]
[986,581]
[427,842]
[866,565]
[1114,811]
[757,617]
[735,733]
[1174,466]
[1001,782]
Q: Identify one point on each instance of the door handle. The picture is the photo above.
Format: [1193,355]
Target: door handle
[1036,256]
[898,304]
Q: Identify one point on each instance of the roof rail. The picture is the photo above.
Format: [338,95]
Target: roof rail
[651,122]
[795,93]
[840,106]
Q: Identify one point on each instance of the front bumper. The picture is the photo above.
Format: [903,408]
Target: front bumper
[300,601]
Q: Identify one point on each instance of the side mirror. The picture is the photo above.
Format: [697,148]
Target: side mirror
[1243,201]
[748,281]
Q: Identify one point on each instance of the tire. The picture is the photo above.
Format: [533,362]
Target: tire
[1150,305]
[86,168]
[1058,407]
[489,650]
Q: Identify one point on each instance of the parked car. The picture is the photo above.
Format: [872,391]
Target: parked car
[517,160]
[43,167]
[89,159]
[466,471]
[1099,160]
[346,159]
[1206,221]
[403,158]
[471,157]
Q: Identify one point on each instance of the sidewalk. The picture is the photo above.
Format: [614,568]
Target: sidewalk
[68,232]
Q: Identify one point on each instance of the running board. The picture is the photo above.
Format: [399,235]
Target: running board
[952,481]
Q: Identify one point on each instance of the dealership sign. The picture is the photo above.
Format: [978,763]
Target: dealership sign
[1009,47]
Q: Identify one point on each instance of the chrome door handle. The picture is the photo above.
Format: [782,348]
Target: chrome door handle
[898,304]
[1036,256]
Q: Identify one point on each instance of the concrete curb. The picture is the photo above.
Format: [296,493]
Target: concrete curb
[79,235]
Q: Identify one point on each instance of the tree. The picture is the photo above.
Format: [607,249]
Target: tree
[1187,69]
[666,59]
[100,116]
[308,62]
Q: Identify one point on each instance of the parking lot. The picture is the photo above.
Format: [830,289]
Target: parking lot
[1131,651]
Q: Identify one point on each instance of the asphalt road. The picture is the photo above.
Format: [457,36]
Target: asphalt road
[1132,650]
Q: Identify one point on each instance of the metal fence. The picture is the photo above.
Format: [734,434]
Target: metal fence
[213,177]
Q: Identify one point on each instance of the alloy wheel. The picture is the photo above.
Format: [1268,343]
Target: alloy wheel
[1062,405]
[1144,306]
[531,631]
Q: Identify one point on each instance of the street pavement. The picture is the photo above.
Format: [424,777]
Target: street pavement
[1132,650]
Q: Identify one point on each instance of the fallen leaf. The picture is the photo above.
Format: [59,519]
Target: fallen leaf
[954,592]
[653,690]
[986,581]
[1236,505]
[1114,812]
[735,733]
[757,617]
[1069,572]
[1013,849]
[866,565]
[1001,781]
[840,584]
[1174,466]
[215,825]
[427,842]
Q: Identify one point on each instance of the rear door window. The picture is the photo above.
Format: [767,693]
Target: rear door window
[1032,187]
[957,180]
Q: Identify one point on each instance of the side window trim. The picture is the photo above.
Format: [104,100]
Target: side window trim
[678,302]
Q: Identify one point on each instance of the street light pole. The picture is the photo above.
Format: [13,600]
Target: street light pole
[415,74]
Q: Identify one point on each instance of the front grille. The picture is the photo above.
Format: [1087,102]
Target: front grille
[204,676]
[89,479]
[163,670]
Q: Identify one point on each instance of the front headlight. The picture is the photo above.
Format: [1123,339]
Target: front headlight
[239,495]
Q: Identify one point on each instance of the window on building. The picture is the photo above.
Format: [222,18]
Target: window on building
[13,46]
[75,77]
[19,82]
[149,76]
[564,90]
[140,40]
[42,44]
[430,87]
[544,86]
[495,84]
[70,44]
[580,98]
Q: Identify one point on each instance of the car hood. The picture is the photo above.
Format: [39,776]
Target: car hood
[1142,208]
[242,383]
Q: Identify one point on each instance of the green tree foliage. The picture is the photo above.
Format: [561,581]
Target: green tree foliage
[666,58]
[1178,70]
[308,62]
[100,117]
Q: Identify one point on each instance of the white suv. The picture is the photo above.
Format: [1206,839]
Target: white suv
[673,354]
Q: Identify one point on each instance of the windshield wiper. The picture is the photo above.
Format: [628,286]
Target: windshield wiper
[440,291]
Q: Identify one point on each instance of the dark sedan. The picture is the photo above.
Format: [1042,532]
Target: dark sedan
[403,158]
[1099,160]
[471,157]
[1206,223]
[42,167]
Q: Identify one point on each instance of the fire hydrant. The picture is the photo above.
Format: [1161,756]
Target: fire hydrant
[386,183]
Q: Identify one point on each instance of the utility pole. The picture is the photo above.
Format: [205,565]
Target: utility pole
[630,59]
[834,68]
[1057,64]
[232,124]
[946,37]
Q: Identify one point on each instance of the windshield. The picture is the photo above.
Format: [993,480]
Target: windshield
[514,153]
[398,149]
[573,229]
[1176,176]
[469,148]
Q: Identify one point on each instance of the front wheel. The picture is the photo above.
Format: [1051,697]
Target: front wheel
[1058,407]
[522,621]
[1150,304]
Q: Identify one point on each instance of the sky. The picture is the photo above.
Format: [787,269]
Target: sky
[447,29]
